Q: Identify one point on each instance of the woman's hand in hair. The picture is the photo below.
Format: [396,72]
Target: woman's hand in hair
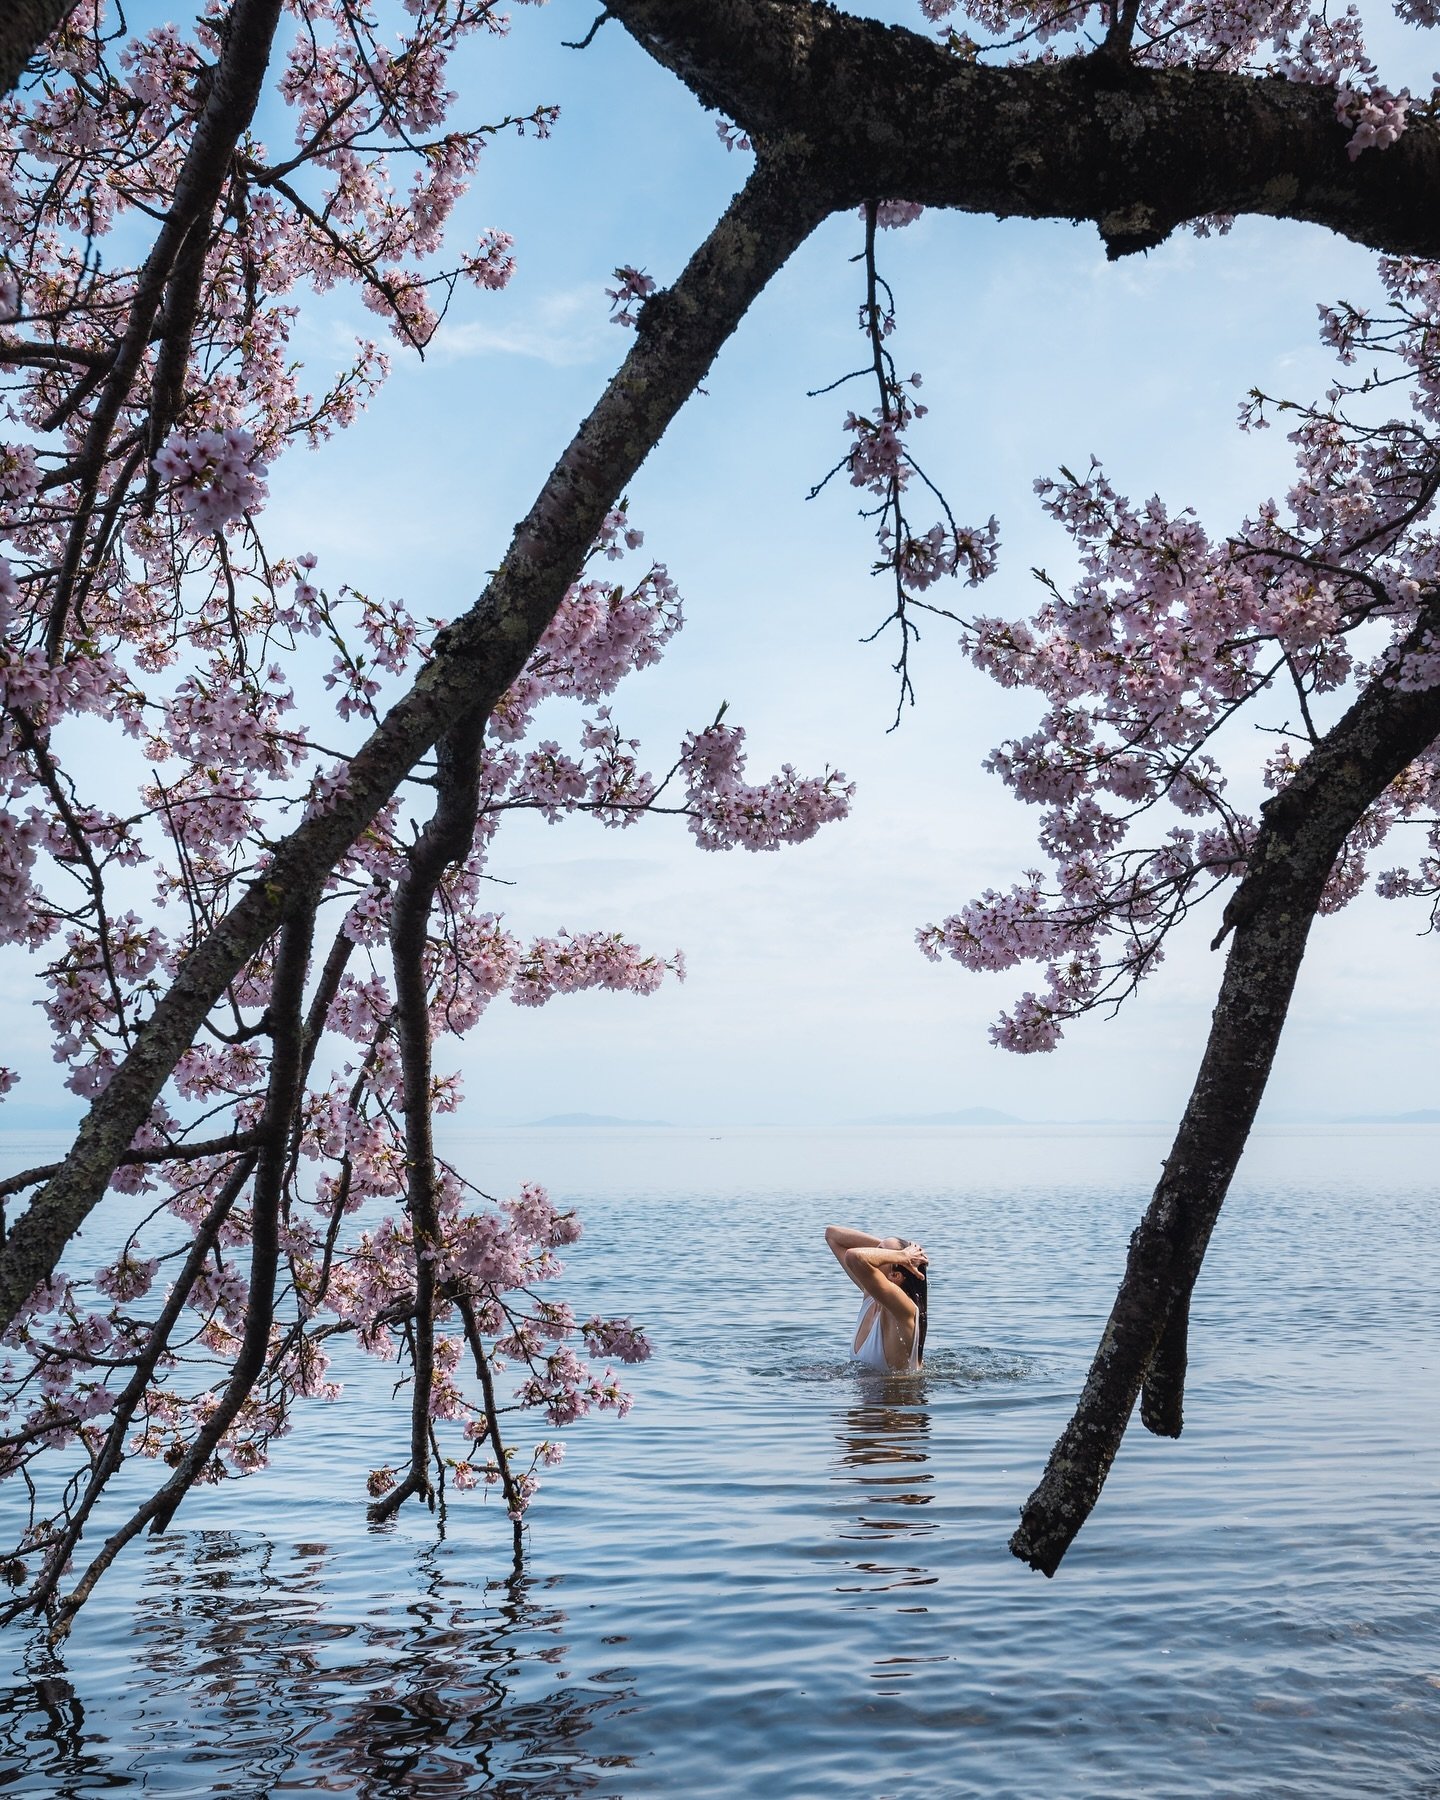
[882,1257]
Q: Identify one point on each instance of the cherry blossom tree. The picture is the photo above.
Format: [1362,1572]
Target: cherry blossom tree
[152,406]
[1318,620]
[1105,112]
[266,1084]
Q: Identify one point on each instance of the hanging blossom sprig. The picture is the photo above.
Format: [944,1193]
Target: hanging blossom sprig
[880,462]
[1170,635]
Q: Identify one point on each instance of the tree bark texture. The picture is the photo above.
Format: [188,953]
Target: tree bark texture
[1271,911]
[881,112]
[24,27]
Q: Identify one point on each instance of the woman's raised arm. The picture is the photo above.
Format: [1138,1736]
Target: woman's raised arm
[869,1269]
[840,1239]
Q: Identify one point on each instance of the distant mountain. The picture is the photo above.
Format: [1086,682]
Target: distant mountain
[971,1115]
[1429,1116]
[592,1119]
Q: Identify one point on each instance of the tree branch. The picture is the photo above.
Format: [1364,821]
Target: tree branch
[476,659]
[286,1083]
[1304,828]
[23,29]
[513,1502]
[445,840]
[882,110]
[150,1153]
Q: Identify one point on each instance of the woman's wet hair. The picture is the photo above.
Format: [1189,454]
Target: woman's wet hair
[916,1284]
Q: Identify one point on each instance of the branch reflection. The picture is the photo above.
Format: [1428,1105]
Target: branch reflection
[257,1667]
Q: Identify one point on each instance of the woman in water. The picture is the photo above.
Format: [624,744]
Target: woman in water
[891,1274]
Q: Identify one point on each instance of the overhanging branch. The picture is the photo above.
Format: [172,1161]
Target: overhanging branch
[879,111]
[475,660]
[1143,1343]
[24,27]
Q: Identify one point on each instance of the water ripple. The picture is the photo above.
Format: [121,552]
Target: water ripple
[786,1575]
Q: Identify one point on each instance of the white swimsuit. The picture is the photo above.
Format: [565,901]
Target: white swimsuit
[871,1352]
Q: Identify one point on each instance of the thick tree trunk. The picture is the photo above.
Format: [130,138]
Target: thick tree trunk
[883,112]
[1271,913]
[24,27]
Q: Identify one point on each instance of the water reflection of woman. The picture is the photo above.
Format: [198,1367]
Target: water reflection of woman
[892,1275]
[884,1459]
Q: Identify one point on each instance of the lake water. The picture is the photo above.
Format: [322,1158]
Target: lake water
[781,1577]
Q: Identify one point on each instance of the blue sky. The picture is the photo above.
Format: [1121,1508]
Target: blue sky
[806,996]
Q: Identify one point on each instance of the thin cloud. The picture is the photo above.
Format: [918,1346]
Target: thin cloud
[565,330]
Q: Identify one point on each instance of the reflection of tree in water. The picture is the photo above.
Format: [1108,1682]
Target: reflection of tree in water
[42,1733]
[883,1462]
[250,1676]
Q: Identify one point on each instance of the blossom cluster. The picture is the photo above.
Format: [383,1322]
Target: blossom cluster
[1169,634]
[633,287]
[726,810]
[215,476]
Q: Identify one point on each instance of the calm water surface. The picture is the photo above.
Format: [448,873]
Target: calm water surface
[782,1577]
